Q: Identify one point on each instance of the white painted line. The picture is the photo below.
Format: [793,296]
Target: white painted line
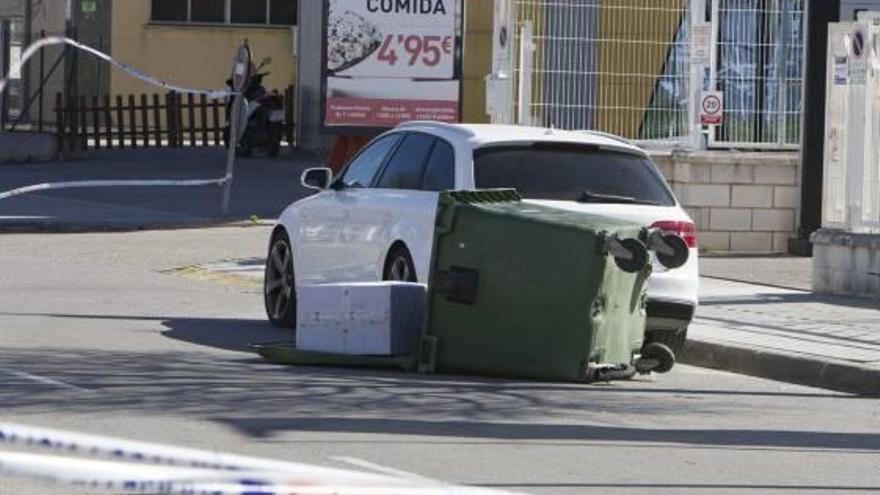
[354,461]
[43,380]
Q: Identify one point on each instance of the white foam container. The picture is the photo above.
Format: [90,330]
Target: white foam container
[377,318]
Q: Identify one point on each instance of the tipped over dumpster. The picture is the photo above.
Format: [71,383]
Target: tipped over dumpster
[515,290]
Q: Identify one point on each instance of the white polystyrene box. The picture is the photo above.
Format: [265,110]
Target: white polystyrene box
[378,318]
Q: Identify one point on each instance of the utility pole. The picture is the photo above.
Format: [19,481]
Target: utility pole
[28,39]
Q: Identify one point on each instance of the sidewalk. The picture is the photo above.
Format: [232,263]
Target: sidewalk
[263,187]
[786,334]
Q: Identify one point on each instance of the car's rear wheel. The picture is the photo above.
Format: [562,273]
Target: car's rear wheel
[279,285]
[399,265]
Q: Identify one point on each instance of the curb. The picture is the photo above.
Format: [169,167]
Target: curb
[782,366]
[86,228]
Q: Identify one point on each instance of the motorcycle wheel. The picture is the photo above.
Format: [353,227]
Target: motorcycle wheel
[273,147]
[244,151]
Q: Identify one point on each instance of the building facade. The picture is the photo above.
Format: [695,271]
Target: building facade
[191,42]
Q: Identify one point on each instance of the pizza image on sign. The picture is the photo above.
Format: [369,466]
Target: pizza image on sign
[350,40]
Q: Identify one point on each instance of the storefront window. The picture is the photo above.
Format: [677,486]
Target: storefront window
[248,11]
[170,10]
[282,12]
[208,11]
[274,12]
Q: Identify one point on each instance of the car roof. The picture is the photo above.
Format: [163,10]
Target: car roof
[480,135]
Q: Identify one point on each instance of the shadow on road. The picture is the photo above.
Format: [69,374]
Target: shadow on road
[231,335]
[265,427]
[261,399]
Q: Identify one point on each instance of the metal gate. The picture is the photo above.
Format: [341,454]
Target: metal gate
[619,66]
[758,62]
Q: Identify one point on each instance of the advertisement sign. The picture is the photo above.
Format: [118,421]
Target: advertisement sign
[701,43]
[841,70]
[712,108]
[388,61]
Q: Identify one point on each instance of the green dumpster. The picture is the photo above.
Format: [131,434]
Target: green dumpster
[522,290]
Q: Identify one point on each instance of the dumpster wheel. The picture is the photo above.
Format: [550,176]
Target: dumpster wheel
[655,357]
[608,372]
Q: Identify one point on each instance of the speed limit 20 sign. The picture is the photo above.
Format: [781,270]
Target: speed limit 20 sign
[712,108]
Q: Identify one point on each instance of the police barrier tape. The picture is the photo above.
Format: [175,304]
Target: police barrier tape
[139,467]
[60,40]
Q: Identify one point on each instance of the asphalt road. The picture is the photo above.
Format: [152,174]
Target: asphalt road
[103,333]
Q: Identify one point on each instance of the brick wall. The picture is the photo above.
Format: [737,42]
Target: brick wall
[740,202]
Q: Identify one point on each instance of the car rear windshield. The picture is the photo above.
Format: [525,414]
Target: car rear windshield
[572,173]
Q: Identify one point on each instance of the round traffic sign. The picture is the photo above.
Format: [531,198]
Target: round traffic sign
[858,44]
[241,68]
[711,104]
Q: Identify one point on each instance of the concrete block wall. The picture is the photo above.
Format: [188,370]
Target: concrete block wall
[846,264]
[21,147]
[740,201]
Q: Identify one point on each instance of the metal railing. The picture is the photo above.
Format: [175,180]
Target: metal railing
[758,64]
[620,66]
[624,67]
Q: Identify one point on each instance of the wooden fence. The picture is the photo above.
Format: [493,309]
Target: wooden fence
[171,120]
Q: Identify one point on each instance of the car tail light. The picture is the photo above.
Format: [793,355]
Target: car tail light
[685,230]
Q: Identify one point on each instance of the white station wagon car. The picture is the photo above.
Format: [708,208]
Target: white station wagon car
[375,221]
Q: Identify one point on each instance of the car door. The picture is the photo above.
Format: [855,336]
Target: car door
[401,206]
[322,254]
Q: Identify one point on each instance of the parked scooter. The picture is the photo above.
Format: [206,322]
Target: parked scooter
[261,121]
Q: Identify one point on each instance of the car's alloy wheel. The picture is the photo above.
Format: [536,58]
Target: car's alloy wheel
[399,267]
[279,286]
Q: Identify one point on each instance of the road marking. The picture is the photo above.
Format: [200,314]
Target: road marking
[44,380]
[354,461]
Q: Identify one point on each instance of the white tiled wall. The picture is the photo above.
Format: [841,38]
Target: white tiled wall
[741,202]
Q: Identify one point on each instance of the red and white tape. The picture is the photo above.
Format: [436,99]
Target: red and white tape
[140,467]
[114,183]
[60,40]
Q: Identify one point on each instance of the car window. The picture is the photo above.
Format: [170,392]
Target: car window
[363,168]
[404,169]
[440,170]
[574,173]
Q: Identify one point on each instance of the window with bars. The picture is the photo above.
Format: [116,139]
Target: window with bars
[270,12]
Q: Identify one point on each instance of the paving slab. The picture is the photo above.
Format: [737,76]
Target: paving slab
[787,334]
[790,272]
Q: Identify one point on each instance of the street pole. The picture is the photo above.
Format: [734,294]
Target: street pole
[241,75]
[232,144]
[28,39]
[68,70]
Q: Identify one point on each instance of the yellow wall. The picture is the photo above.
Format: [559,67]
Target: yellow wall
[632,55]
[186,55]
[630,44]
[477,58]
